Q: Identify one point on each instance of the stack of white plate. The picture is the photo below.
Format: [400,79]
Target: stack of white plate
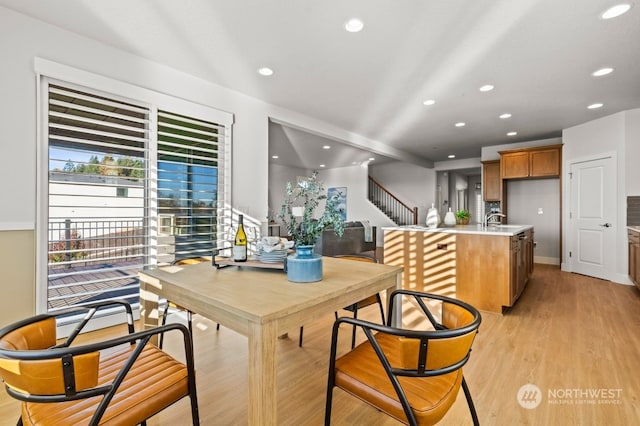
[274,256]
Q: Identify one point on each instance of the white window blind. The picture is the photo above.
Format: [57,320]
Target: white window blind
[129,186]
[188,158]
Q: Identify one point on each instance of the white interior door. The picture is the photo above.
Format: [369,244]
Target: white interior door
[593,218]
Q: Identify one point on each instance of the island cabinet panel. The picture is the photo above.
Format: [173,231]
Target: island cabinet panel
[529,248]
[428,258]
[486,268]
[484,271]
[491,183]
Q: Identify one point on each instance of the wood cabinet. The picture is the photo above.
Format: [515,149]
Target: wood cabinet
[488,271]
[529,247]
[544,163]
[515,270]
[491,182]
[521,263]
[514,165]
[484,271]
[538,162]
[634,256]
[492,271]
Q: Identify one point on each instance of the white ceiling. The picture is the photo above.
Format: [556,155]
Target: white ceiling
[539,55]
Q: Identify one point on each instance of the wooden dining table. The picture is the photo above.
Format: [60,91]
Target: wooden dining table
[262,305]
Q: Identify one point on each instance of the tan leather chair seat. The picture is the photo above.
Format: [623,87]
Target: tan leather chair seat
[155,376]
[362,365]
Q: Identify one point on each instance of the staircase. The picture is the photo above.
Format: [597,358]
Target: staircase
[390,205]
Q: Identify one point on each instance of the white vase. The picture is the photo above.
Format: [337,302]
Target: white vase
[450,218]
[433,218]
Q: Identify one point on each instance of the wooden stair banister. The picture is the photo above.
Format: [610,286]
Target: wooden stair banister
[391,205]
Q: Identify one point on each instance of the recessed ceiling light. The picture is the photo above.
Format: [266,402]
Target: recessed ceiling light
[354,25]
[321,165]
[616,11]
[265,71]
[274,156]
[326,147]
[601,72]
[371,158]
[595,106]
[512,133]
[505,115]
[461,124]
[486,88]
[429,102]
[451,156]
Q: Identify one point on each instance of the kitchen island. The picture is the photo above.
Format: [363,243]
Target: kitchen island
[486,266]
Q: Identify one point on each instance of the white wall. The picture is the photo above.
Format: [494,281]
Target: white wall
[22,39]
[632,152]
[525,197]
[353,178]
[278,177]
[618,133]
[413,185]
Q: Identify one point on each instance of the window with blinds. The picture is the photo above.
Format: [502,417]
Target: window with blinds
[187,185]
[128,186]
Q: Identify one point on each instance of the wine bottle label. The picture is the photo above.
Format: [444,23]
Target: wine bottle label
[239,253]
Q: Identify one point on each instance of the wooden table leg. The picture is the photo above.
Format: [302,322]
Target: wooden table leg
[263,385]
[149,310]
[396,321]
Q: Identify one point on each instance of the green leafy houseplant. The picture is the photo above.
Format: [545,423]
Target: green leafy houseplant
[463,216]
[307,194]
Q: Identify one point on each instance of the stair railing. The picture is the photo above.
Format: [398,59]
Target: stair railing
[390,205]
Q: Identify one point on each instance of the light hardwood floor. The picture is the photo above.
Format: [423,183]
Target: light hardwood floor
[570,335]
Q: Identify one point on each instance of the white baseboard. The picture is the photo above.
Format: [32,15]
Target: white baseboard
[17,226]
[546,260]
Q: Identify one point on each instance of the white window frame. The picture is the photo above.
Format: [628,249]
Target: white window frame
[49,71]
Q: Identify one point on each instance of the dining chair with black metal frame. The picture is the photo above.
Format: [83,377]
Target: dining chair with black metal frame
[412,375]
[122,380]
[354,308]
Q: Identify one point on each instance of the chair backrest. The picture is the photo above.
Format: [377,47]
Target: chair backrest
[42,376]
[444,349]
[190,261]
[123,379]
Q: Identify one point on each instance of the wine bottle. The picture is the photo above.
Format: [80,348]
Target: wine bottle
[240,243]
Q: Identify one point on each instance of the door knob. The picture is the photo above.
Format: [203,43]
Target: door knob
[606,225]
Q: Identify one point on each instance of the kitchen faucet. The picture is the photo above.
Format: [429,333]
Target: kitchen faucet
[489,216]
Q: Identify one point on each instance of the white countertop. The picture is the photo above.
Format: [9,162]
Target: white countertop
[508,230]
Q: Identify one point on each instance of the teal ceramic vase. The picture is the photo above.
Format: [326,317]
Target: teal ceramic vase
[304,266]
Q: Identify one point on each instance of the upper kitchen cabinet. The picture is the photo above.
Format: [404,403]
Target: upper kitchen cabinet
[491,183]
[538,162]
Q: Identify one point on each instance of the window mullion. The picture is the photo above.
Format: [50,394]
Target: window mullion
[151,213]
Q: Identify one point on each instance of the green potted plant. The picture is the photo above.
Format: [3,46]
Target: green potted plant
[462,217]
[297,214]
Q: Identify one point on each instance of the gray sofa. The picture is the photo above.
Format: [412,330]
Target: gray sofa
[352,242]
